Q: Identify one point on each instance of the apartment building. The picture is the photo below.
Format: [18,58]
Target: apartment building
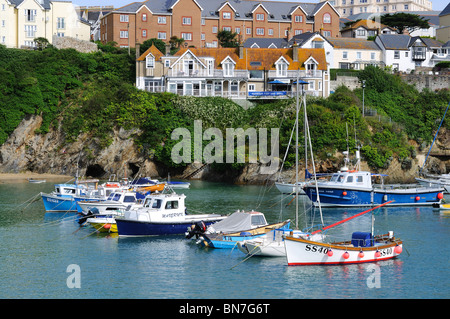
[355,54]
[238,73]
[199,21]
[21,21]
[351,7]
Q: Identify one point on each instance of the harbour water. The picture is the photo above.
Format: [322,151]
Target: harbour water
[39,253]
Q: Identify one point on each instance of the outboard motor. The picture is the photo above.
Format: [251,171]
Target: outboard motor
[196,229]
[91,212]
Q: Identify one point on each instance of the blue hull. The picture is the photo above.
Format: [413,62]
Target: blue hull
[229,242]
[59,204]
[340,197]
[136,228]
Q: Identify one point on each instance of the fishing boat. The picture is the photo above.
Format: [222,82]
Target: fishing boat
[291,188]
[352,188]
[442,181]
[237,227]
[161,214]
[36,181]
[62,198]
[179,184]
[363,247]
[444,206]
[116,200]
[104,223]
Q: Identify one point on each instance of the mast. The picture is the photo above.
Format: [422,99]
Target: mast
[296,156]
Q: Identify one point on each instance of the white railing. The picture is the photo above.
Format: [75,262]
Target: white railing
[206,74]
[292,74]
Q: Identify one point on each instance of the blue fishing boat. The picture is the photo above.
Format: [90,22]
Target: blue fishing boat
[238,227]
[351,188]
[161,214]
[62,199]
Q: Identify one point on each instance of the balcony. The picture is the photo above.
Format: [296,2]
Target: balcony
[292,74]
[419,54]
[206,74]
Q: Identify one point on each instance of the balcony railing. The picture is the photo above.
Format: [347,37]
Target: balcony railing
[292,74]
[206,74]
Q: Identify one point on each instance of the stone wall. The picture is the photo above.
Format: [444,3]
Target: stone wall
[430,81]
[79,45]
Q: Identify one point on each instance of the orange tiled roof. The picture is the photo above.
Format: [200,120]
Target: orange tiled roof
[368,24]
[267,57]
[353,43]
[153,50]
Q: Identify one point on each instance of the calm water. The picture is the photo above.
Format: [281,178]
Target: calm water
[37,248]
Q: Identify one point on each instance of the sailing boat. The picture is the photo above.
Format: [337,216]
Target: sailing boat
[272,244]
[363,247]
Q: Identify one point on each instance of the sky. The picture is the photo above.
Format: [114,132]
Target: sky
[438,5]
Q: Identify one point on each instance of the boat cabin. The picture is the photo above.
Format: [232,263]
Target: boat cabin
[159,207]
[69,190]
[122,197]
[352,178]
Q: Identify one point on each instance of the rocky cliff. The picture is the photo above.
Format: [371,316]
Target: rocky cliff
[27,151]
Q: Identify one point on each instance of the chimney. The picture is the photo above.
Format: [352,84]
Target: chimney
[241,51]
[167,49]
[295,52]
[138,50]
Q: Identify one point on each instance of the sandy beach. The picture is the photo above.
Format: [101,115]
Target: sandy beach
[23,177]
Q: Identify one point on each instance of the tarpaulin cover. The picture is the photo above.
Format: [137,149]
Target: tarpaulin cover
[236,222]
[361,239]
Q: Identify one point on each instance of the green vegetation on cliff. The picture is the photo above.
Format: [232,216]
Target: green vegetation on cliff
[95,92]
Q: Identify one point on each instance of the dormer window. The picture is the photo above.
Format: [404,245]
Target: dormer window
[281,65]
[228,69]
[150,62]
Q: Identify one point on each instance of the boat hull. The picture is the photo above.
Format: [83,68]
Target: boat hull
[54,203]
[286,188]
[230,241]
[130,228]
[103,224]
[301,252]
[348,197]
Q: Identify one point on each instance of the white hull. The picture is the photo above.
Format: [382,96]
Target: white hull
[287,188]
[301,252]
[433,183]
[106,207]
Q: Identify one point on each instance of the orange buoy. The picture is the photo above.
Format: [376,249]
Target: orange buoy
[361,254]
[346,255]
[377,254]
[344,193]
[107,226]
[417,198]
[398,249]
[330,253]
[440,195]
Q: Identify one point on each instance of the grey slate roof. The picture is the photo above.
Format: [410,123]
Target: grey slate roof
[404,41]
[266,42]
[446,10]
[278,11]
[45,3]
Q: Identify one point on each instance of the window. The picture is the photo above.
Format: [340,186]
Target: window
[60,23]
[270,32]
[187,21]
[161,20]
[327,34]
[226,15]
[311,85]
[162,35]
[396,54]
[124,34]
[30,31]
[251,87]
[144,33]
[30,15]
[372,55]
[358,55]
[144,17]
[406,7]
[173,204]
[228,69]
[345,55]
[238,30]
[202,37]
[227,29]
[298,19]
[214,29]
[326,18]
[260,16]
[187,36]
[150,62]
[248,31]
[123,18]
[281,69]
[361,32]
[298,32]
[317,44]
[166,63]
[203,21]
[406,54]
[259,31]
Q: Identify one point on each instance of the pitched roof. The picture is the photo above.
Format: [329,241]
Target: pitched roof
[367,24]
[395,41]
[154,51]
[265,57]
[445,11]
[353,43]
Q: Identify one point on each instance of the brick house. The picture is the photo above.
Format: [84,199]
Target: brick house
[199,21]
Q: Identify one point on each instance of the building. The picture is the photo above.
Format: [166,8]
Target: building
[364,28]
[24,20]
[443,32]
[93,15]
[350,7]
[355,54]
[199,21]
[238,73]
[404,53]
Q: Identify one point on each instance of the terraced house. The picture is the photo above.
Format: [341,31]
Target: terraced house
[238,73]
[199,21]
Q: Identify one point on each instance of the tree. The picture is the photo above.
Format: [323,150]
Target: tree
[402,21]
[157,42]
[41,43]
[176,42]
[227,39]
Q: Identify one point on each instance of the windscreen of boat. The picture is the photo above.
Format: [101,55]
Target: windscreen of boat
[258,220]
[337,178]
[129,199]
[114,196]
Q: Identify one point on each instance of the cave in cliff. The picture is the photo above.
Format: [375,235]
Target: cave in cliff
[95,171]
